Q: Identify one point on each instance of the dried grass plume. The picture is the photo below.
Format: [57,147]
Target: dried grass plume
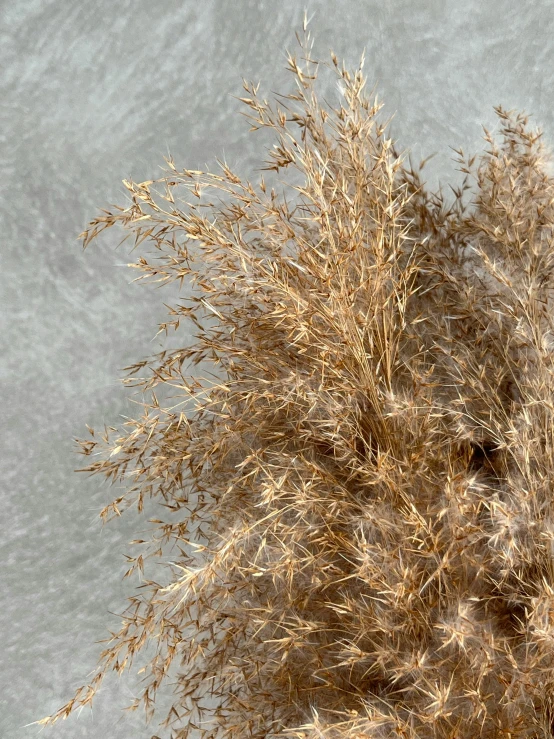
[356,522]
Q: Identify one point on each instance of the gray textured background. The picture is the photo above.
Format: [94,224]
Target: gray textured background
[98,91]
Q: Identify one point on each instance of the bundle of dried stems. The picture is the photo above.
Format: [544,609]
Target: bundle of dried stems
[357,520]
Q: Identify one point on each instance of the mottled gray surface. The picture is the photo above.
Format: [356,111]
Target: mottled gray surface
[98,91]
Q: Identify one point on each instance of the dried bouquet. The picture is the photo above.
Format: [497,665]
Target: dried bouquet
[355,530]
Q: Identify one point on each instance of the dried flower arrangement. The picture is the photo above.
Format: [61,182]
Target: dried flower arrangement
[356,514]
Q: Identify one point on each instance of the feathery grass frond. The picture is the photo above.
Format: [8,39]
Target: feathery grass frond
[356,517]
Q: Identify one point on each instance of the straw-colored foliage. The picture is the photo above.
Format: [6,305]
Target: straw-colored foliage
[356,524]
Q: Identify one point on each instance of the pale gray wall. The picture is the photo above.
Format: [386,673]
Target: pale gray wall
[92,92]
